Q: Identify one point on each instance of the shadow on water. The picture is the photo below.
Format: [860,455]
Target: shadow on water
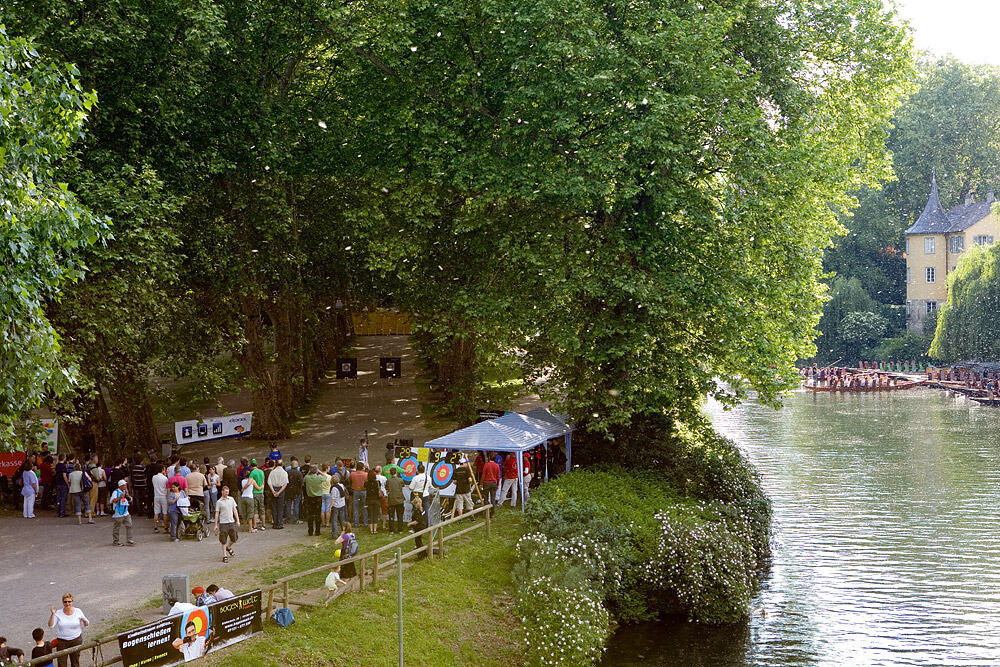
[676,643]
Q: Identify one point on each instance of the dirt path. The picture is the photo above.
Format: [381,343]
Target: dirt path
[46,557]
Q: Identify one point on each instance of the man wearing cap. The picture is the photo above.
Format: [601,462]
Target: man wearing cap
[201,598]
[120,500]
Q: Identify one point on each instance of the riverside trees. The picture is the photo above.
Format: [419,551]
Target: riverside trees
[631,198]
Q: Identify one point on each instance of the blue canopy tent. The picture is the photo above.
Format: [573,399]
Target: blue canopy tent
[513,432]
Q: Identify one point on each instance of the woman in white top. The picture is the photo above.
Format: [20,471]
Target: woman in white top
[29,489]
[69,623]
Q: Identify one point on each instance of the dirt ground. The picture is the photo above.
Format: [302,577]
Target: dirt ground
[46,557]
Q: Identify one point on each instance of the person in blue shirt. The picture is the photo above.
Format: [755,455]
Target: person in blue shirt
[275,454]
[119,512]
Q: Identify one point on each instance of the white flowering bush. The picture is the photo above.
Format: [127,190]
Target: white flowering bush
[561,625]
[705,558]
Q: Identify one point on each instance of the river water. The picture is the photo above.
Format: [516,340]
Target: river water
[886,537]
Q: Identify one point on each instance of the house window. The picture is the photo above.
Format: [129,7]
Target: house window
[931,307]
[907,245]
[957,243]
[928,245]
[982,239]
[930,275]
[907,275]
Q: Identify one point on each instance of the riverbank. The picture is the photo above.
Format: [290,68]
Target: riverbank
[457,610]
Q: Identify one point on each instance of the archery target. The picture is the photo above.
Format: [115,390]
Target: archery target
[409,468]
[442,474]
[199,617]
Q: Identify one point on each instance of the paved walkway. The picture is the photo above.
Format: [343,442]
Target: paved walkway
[46,557]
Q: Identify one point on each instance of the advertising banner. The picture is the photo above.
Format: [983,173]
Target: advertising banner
[212,428]
[11,462]
[182,638]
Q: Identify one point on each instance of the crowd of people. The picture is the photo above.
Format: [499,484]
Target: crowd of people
[231,498]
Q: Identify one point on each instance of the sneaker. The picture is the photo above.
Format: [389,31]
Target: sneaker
[176,540]
[91,521]
[156,529]
[116,544]
[130,544]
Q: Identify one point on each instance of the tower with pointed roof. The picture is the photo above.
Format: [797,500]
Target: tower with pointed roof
[934,245]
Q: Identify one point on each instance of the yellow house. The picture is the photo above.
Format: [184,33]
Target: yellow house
[934,245]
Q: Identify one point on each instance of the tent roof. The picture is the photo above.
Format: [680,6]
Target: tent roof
[513,432]
[557,421]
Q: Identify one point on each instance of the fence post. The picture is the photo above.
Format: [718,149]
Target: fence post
[399,598]
[284,591]
[488,513]
[440,541]
[375,571]
[361,575]
[430,542]
[270,602]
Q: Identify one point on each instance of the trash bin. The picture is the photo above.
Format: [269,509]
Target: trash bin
[175,586]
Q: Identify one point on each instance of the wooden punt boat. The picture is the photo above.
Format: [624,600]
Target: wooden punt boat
[992,402]
[901,385]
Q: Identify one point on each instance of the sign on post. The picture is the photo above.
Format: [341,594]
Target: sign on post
[212,428]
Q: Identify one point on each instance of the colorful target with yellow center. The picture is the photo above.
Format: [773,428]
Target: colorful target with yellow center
[442,474]
[409,468]
[199,617]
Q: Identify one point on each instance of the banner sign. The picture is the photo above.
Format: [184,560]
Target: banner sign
[11,462]
[212,428]
[182,638]
[485,415]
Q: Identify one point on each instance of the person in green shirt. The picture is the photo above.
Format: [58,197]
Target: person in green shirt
[257,476]
[313,484]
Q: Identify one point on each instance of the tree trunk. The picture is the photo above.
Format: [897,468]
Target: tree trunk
[267,420]
[284,368]
[130,396]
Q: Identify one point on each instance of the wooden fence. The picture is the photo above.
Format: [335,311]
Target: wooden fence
[278,589]
[381,323]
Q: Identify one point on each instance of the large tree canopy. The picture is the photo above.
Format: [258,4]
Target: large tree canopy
[42,226]
[680,164]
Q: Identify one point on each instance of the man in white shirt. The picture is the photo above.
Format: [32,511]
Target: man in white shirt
[277,482]
[227,523]
[421,482]
[246,502]
[160,504]
[178,607]
[191,645]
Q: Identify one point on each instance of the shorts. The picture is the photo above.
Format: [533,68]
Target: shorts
[385,505]
[463,502]
[327,501]
[246,509]
[160,505]
[258,504]
[227,531]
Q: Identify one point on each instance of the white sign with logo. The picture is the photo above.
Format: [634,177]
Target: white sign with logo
[212,428]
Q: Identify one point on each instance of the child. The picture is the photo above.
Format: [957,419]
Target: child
[42,647]
[9,655]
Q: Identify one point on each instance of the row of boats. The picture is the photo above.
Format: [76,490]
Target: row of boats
[850,380]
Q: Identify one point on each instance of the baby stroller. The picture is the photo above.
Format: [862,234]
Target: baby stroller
[193,525]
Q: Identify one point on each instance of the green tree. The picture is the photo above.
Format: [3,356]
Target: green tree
[967,325]
[683,164]
[42,112]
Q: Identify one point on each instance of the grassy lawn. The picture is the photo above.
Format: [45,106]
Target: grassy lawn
[457,610]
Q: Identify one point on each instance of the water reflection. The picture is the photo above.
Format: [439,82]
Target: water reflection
[887,543]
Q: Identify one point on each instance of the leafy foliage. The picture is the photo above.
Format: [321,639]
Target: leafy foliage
[967,325]
[42,224]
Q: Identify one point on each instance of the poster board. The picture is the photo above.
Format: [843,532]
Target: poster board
[212,428]
[11,462]
[170,641]
[347,368]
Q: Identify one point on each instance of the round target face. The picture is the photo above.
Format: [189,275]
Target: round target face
[442,474]
[199,617]
[409,467]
